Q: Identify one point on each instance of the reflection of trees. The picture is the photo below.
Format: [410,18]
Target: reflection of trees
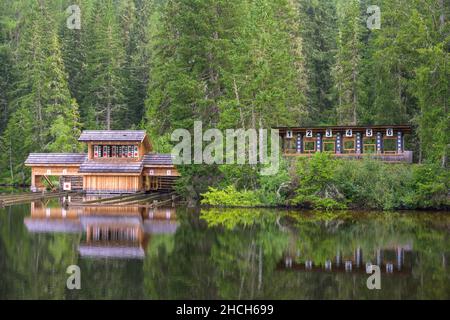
[110,279]
[182,270]
[246,251]
[234,253]
[318,240]
[34,264]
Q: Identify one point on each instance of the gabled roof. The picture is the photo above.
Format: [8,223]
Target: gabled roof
[55,158]
[151,159]
[112,135]
[111,167]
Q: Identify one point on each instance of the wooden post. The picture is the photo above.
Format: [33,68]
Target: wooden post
[33,182]
[338,143]
[319,142]
[299,143]
[379,142]
[358,257]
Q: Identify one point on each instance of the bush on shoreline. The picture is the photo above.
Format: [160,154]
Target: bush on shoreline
[326,183]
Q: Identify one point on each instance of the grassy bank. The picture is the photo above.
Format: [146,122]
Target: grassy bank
[326,183]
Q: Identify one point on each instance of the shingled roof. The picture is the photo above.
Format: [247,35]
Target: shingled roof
[53,225]
[55,158]
[151,159]
[112,135]
[106,251]
[111,167]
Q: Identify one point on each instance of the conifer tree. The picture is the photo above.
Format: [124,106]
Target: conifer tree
[103,90]
[42,95]
[346,71]
[318,30]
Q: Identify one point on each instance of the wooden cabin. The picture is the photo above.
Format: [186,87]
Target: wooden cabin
[386,143]
[117,161]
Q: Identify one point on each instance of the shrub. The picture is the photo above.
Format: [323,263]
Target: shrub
[229,196]
[317,186]
[430,184]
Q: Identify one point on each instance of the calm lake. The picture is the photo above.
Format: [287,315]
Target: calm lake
[180,253]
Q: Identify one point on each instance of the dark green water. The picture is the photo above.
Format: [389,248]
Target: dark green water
[221,254]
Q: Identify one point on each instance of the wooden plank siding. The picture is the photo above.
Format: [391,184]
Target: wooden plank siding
[112,184]
[160,171]
[56,170]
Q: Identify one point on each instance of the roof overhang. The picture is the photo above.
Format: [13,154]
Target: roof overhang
[402,128]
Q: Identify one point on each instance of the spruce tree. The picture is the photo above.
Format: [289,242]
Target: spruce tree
[103,90]
[346,70]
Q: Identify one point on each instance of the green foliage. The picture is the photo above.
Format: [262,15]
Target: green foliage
[230,197]
[326,183]
[161,65]
[317,186]
[231,218]
[431,185]
[104,83]
[373,184]
[274,189]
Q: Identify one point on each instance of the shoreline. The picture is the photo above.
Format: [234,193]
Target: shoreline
[297,208]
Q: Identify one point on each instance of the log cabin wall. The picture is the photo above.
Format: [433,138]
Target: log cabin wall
[112,184]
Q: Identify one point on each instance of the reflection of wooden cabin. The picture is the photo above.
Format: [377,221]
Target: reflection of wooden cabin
[110,232]
[385,143]
[116,162]
[390,260]
[113,236]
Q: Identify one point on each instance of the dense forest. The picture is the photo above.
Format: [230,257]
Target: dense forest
[161,64]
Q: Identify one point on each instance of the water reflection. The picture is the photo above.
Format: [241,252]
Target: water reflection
[108,231]
[391,260]
[179,253]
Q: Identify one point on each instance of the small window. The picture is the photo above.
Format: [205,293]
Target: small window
[289,146]
[390,145]
[309,146]
[349,146]
[369,145]
[169,172]
[329,146]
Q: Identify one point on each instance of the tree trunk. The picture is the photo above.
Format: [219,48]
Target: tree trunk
[108,116]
